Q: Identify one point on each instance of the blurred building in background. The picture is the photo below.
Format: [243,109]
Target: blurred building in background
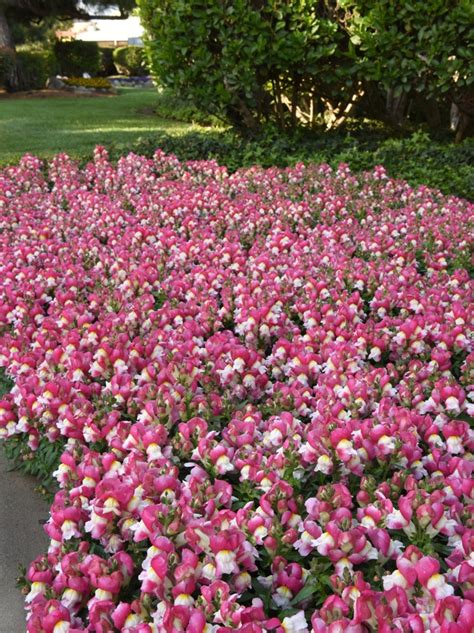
[107,33]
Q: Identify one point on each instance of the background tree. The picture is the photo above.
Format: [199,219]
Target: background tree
[17,13]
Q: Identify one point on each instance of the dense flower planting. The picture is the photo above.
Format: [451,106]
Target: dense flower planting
[88,82]
[263,383]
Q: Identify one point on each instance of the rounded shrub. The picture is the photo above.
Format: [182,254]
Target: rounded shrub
[130,61]
[34,67]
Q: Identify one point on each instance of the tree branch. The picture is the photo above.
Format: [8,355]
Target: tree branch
[87,17]
[83,15]
[39,11]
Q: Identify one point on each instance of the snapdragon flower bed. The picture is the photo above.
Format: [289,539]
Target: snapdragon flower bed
[259,385]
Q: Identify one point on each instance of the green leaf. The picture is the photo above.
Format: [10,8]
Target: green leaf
[6,383]
[287,613]
[308,590]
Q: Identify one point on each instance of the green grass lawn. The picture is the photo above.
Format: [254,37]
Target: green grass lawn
[46,126]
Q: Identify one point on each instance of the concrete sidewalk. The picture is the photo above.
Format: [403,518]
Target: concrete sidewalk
[21,539]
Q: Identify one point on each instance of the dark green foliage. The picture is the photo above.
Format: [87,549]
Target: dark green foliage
[249,60]
[130,61]
[414,46]
[7,67]
[6,383]
[28,68]
[40,464]
[107,66]
[160,298]
[35,65]
[311,63]
[76,57]
[418,158]
[35,32]
[172,107]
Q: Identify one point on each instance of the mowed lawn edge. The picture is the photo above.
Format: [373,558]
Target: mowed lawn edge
[75,125]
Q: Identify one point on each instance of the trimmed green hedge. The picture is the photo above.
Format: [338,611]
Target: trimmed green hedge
[35,65]
[76,57]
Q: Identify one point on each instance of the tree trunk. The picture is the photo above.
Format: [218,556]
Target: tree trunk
[462,114]
[242,118]
[429,109]
[373,104]
[6,39]
[462,131]
[396,107]
[294,102]
[6,42]
[280,111]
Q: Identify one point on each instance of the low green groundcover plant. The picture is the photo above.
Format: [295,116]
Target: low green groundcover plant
[40,462]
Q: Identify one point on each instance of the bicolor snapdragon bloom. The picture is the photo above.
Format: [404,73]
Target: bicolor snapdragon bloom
[260,383]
